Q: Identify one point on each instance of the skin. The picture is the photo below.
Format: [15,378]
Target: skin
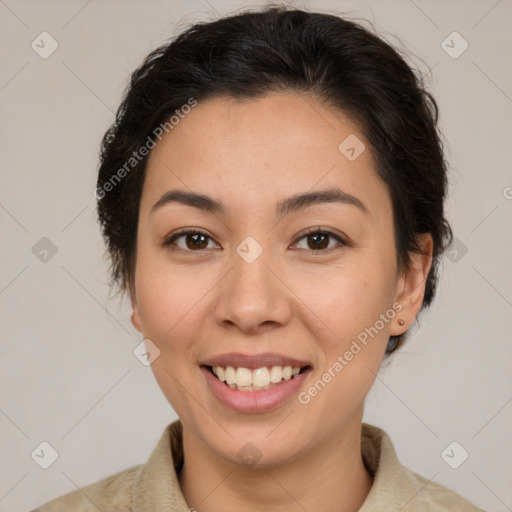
[194,304]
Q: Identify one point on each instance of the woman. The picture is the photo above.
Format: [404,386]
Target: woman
[271,195]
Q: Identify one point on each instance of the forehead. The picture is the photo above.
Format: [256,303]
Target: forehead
[266,148]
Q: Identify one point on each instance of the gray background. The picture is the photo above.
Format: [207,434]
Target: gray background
[68,373]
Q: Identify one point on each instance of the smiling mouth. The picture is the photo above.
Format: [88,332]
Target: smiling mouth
[244,379]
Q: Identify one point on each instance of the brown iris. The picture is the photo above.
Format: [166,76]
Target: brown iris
[320,241]
[196,241]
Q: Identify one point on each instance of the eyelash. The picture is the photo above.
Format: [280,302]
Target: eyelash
[168,242]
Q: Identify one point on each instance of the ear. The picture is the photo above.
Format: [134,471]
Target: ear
[136,320]
[411,285]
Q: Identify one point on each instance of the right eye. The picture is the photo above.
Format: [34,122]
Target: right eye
[189,240]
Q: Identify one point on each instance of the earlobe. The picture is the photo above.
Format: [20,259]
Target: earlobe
[135,318]
[136,321]
[411,286]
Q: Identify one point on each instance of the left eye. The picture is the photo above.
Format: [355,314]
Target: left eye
[318,241]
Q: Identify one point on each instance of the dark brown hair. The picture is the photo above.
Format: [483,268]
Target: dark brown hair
[250,54]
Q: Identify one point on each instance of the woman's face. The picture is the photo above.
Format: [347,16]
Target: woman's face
[273,275]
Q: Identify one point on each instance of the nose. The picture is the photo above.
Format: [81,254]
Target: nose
[252,298]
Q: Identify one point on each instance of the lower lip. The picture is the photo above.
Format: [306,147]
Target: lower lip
[254,401]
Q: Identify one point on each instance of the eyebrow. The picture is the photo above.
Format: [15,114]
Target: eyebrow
[286,206]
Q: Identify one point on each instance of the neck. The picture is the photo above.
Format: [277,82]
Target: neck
[330,477]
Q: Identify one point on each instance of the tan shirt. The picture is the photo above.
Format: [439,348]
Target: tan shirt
[154,486]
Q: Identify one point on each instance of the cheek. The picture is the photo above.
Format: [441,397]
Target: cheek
[167,306]
[172,307]
[170,299]
[353,344]
[349,297]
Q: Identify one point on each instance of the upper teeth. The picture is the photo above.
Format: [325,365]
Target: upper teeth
[241,378]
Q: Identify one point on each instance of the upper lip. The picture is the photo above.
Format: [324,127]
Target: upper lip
[253,362]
